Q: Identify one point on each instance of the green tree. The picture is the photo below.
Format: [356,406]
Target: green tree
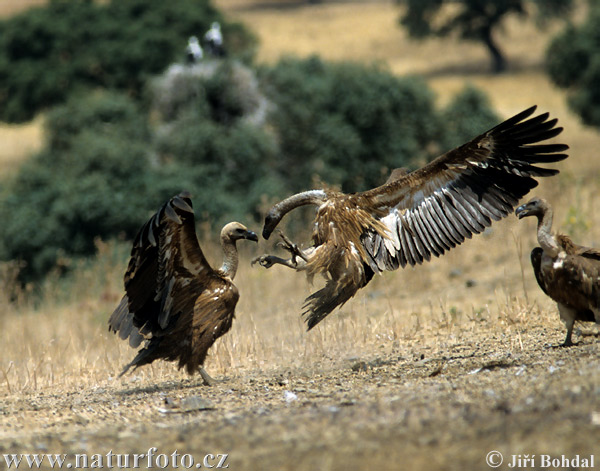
[48,52]
[475,20]
[573,63]
[92,180]
[209,123]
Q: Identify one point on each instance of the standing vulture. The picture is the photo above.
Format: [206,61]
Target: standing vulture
[174,300]
[568,273]
[418,214]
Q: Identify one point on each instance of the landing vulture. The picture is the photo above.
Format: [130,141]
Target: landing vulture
[568,273]
[418,214]
[174,300]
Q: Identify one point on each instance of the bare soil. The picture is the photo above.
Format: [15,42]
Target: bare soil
[403,406]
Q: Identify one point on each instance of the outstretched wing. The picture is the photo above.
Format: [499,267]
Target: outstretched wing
[437,207]
[166,273]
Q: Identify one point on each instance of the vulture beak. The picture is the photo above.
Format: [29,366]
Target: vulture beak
[250,235]
[522,211]
[270,224]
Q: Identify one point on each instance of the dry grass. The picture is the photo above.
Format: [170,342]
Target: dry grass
[12,7]
[394,305]
[18,143]
[61,348]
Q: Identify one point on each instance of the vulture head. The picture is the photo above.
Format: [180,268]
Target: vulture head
[271,221]
[534,207]
[236,231]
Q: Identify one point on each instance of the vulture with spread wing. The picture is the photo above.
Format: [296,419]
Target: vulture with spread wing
[568,273]
[418,214]
[174,300]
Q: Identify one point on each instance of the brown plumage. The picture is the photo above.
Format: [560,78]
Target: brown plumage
[568,273]
[418,214]
[173,299]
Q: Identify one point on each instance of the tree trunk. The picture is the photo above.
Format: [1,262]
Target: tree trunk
[498,61]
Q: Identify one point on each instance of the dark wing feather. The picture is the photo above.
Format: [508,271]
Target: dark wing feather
[167,272]
[582,285]
[460,193]
[589,253]
[536,262]
[572,281]
[571,248]
[339,288]
[196,329]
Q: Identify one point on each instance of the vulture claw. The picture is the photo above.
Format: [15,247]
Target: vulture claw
[206,378]
[292,248]
[266,261]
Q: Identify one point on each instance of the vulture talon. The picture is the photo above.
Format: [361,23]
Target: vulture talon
[207,379]
[268,261]
[265,261]
[292,248]
[563,345]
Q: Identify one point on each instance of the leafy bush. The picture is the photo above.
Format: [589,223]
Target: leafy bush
[88,182]
[346,123]
[48,52]
[209,125]
[467,115]
[573,62]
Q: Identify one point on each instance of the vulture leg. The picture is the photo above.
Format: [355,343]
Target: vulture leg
[297,261]
[567,315]
[596,313]
[206,378]
[292,248]
[268,261]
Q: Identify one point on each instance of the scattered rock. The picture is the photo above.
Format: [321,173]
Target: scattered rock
[188,404]
[289,396]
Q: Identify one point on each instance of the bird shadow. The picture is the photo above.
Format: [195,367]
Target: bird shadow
[163,387]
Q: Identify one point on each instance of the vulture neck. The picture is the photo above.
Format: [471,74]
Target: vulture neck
[300,199]
[230,259]
[544,233]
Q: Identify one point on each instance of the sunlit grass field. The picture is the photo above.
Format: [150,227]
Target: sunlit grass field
[60,340]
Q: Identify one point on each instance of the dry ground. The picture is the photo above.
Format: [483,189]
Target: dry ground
[427,368]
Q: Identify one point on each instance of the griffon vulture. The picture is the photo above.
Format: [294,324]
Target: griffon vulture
[418,214]
[568,273]
[174,300]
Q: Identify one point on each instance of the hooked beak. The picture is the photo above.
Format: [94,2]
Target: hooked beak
[522,211]
[270,224]
[251,235]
